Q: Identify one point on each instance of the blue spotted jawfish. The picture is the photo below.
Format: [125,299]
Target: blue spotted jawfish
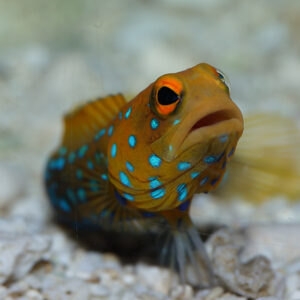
[138,162]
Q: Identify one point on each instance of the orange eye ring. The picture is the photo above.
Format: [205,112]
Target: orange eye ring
[168,95]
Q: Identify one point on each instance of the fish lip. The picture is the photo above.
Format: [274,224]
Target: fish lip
[212,119]
[223,120]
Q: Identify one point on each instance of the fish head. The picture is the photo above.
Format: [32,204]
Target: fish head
[177,135]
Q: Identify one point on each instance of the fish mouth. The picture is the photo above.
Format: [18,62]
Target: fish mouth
[209,125]
[212,119]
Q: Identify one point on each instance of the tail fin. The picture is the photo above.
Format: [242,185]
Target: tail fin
[185,252]
[267,160]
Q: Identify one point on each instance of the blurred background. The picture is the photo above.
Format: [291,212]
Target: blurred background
[55,54]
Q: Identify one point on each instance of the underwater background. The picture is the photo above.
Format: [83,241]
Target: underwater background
[56,54]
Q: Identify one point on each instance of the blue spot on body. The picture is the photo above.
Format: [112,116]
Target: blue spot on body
[98,157]
[71,196]
[154,183]
[104,176]
[79,174]
[129,166]
[120,198]
[214,181]
[113,150]
[104,213]
[210,159]
[231,152]
[82,151]
[81,195]
[124,179]
[120,115]
[148,214]
[100,134]
[128,197]
[170,147]
[128,112]
[224,164]
[72,157]
[204,180]
[90,165]
[176,122]
[220,156]
[94,185]
[57,164]
[64,205]
[183,166]
[132,141]
[223,138]
[182,192]
[154,161]
[195,174]
[184,206]
[159,193]
[60,163]
[110,130]
[154,124]
[62,150]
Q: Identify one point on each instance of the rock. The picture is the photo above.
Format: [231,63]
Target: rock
[216,293]
[97,290]
[182,292]
[160,280]
[56,287]
[33,295]
[269,298]
[278,242]
[86,265]
[20,252]
[3,292]
[254,278]
[62,248]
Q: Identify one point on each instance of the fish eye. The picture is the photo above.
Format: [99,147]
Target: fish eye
[166,101]
[223,78]
[166,96]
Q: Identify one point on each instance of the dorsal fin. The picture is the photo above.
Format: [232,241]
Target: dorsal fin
[81,124]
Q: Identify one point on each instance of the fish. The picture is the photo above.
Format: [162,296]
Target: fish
[127,166]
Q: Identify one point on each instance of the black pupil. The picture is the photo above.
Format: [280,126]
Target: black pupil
[166,96]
